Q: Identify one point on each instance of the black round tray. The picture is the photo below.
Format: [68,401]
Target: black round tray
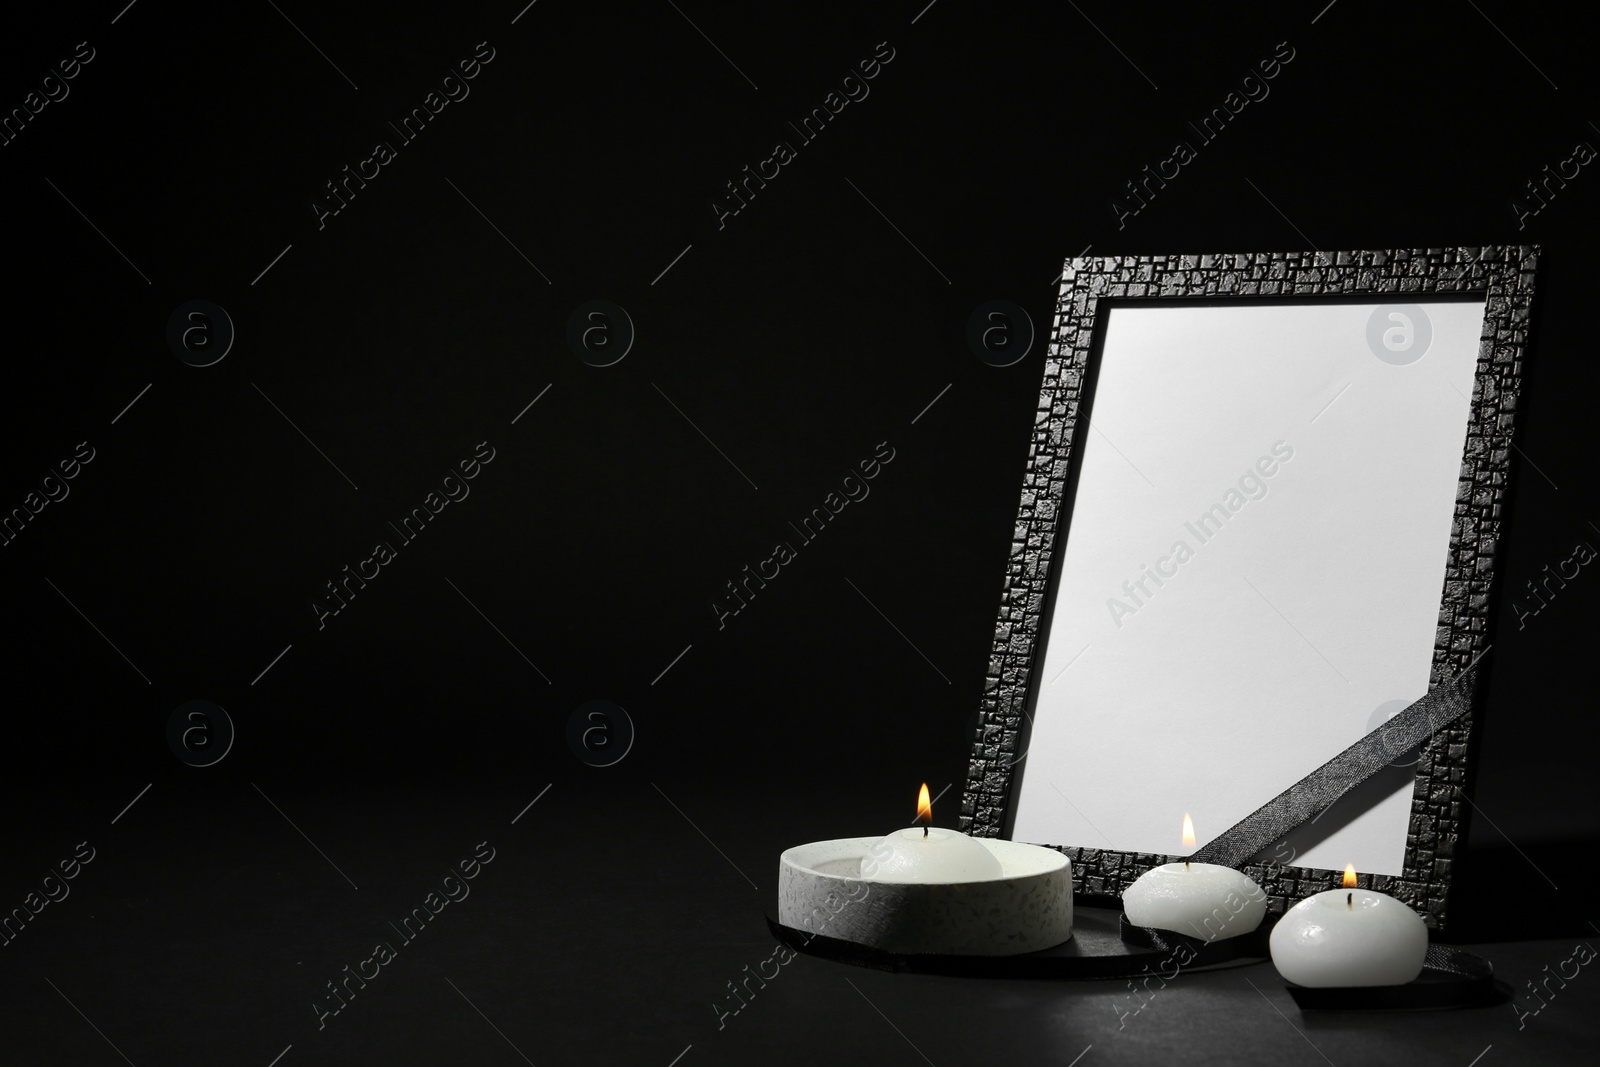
[1105,945]
[1450,978]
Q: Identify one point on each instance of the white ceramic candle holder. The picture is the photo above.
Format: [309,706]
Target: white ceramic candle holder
[821,890]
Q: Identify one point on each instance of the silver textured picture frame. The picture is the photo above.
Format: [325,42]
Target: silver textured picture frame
[1503,278]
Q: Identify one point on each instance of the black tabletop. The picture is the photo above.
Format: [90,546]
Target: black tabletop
[616,921]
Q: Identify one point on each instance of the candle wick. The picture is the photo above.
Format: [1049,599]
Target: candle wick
[924,831]
[1186,865]
[1350,900]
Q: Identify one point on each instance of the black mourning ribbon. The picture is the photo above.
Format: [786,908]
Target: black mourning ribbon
[1317,791]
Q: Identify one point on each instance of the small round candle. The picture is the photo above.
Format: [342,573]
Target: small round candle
[929,855]
[940,856]
[1201,900]
[1349,937]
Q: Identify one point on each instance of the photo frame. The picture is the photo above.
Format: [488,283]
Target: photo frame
[1383,550]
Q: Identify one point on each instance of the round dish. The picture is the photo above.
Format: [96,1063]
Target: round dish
[1026,909]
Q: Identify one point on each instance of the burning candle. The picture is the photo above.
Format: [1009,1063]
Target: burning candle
[1349,937]
[928,890]
[1202,900]
[929,855]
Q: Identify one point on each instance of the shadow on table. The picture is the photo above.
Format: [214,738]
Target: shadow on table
[1525,891]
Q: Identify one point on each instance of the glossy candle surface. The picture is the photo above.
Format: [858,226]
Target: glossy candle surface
[942,856]
[1201,900]
[1349,937]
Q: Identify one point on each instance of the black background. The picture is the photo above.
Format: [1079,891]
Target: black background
[818,322]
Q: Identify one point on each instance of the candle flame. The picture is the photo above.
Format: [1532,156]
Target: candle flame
[924,806]
[1188,831]
[1349,876]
